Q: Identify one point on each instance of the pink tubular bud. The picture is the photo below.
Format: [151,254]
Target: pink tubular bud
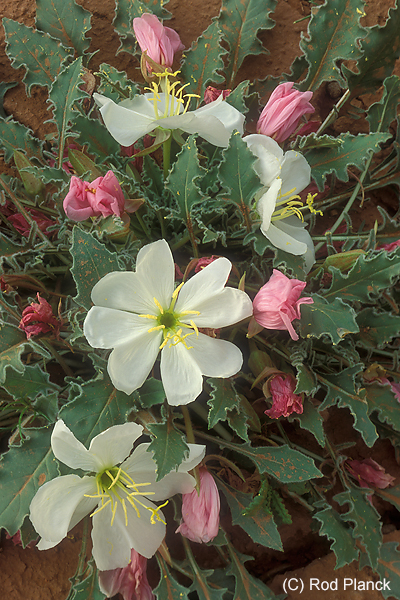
[284,400]
[159,42]
[131,581]
[283,111]
[277,303]
[200,511]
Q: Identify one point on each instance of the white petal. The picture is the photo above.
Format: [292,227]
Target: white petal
[228,307]
[129,364]
[296,229]
[267,203]
[113,445]
[112,543]
[60,504]
[270,156]
[205,284]
[108,328]
[285,241]
[181,376]
[69,450]
[135,292]
[295,173]
[215,358]
[127,125]
[229,116]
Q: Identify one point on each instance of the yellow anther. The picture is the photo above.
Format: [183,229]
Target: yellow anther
[113,481]
[177,290]
[99,508]
[148,317]
[113,510]
[189,312]
[160,308]
[125,512]
[193,324]
[310,202]
[155,328]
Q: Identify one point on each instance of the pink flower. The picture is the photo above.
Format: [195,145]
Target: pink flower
[395,389]
[283,111]
[103,197]
[131,581]
[369,473]
[203,262]
[284,400]
[39,318]
[158,41]
[200,511]
[389,247]
[212,94]
[277,303]
[22,225]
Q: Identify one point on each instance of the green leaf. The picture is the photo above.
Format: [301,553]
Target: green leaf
[247,586]
[91,261]
[389,569]
[88,588]
[332,37]
[66,21]
[342,390]
[15,136]
[34,382]
[380,49]
[380,398]
[168,446]
[335,319]
[381,114]
[93,134]
[9,250]
[22,470]
[258,524]
[369,275]
[115,84]
[4,87]
[203,61]
[308,142]
[354,150]
[377,328]
[96,406]
[125,12]
[223,398]
[168,588]
[311,420]
[238,177]
[283,463]
[183,180]
[334,529]
[12,345]
[367,526]
[391,495]
[237,420]
[62,96]
[40,54]
[240,21]
[151,393]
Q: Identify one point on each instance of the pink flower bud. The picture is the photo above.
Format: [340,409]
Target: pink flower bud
[39,318]
[283,111]
[158,41]
[284,400]
[212,94]
[369,473]
[200,511]
[277,303]
[103,197]
[131,581]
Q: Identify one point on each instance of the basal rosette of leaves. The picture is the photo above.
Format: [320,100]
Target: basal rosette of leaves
[191,179]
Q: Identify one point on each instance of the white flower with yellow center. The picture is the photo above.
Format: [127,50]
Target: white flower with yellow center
[138,314]
[119,498]
[284,176]
[130,120]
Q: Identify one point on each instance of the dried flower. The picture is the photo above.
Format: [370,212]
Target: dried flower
[39,318]
[200,510]
[278,303]
[138,314]
[131,581]
[102,197]
[284,400]
[283,111]
[369,473]
[119,498]
[212,94]
[203,262]
[159,42]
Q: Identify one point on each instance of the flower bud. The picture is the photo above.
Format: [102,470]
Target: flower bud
[159,42]
[369,473]
[283,111]
[131,581]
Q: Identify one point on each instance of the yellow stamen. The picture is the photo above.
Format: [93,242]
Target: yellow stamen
[155,328]
[193,324]
[160,308]
[148,317]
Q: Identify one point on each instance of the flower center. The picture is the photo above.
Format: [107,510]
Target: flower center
[289,204]
[114,486]
[174,97]
[170,323]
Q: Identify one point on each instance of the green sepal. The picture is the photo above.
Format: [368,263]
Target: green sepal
[335,319]
[65,20]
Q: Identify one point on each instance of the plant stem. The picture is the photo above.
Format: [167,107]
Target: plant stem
[333,114]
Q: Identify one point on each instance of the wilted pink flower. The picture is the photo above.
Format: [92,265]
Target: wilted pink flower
[395,389]
[284,400]
[369,473]
[389,247]
[200,511]
[103,197]
[203,262]
[282,112]
[22,225]
[158,41]
[277,303]
[39,318]
[131,581]
[212,94]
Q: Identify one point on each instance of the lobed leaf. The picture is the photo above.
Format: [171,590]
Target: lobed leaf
[381,114]
[334,529]
[311,420]
[168,588]
[98,140]
[168,446]
[34,382]
[335,319]
[15,136]
[389,568]
[223,398]
[66,21]
[377,328]
[381,398]
[247,586]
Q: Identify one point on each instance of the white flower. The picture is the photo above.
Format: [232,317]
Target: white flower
[284,175]
[118,498]
[138,314]
[130,120]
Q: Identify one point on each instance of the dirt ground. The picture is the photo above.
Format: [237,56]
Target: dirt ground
[32,575]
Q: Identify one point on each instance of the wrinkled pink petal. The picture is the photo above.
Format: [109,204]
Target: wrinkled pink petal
[284,400]
[131,581]
[369,473]
[204,261]
[212,94]
[39,318]
[283,111]
[102,197]
[278,303]
[158,41]
[200,511]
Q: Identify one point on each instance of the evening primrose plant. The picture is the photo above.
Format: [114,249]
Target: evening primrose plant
[183,260]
